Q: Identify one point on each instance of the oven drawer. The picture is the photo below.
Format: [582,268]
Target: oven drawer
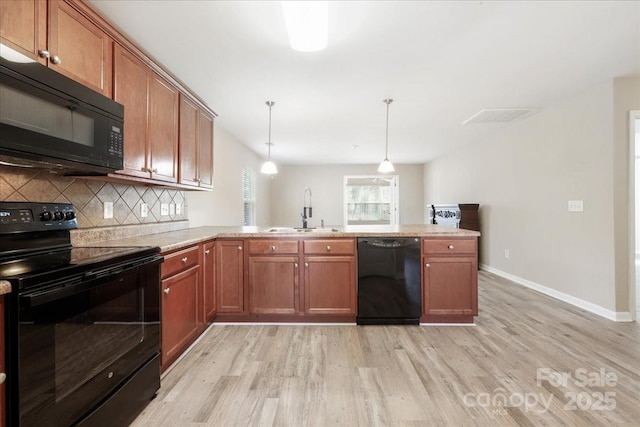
[329,247]
[179,261]
[449,246]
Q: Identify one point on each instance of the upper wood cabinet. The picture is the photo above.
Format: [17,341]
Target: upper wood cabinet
[59,36]
[150,118]
[196,145]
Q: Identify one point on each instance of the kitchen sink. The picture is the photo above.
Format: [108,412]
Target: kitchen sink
[302,230]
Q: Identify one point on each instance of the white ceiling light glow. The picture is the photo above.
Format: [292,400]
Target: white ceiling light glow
[268,167]
[307,24]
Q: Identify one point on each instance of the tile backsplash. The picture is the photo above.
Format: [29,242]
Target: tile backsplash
[88,196]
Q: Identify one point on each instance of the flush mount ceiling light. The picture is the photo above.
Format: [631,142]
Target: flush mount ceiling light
[307,24]
[269,167]
[386,166]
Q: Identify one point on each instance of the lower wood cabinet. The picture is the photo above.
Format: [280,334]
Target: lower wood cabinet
[329,285]
[230,276]
[208,270]
[181,319]
[273,284]
[449,280]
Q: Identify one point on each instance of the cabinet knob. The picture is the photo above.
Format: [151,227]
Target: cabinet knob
[328,248]
[273,248]
[427,265]
[295,265]
[3,377]
[184,260]
[56,59]
[166,291]
[239,248]
[207,252]
[450,246]
[306,264]
[42,53]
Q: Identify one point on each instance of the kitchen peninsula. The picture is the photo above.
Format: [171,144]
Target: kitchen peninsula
[275,274]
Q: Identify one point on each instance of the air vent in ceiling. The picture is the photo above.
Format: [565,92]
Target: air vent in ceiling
[501,115]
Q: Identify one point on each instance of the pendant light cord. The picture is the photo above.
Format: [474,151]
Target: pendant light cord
[386,145]
[270,104]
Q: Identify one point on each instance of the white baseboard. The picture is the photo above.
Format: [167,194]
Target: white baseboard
[616,316]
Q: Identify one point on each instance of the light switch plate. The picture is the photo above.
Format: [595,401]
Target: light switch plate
[144,210]
[575,206]
[108,210]
[164,209]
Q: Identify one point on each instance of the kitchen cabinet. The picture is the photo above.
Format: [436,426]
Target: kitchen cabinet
[150,120]
[56,34]
[449,279]
[196,145]
[273,277]
[329,277]
[208,265]
[2,365]
[230,276]
[181,319]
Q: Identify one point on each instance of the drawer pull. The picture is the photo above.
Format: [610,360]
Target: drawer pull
[166,291]
[44,53]
[450,246]
[328,248]
[3,377]
[207,252]
[184,260]
[427,265]
[273,248]
[55,59]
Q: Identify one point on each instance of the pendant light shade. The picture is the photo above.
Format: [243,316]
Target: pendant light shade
[386,166]
[268,167]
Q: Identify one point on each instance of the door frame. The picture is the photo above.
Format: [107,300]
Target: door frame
[633,286]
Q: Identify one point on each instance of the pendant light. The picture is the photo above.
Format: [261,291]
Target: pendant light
[386,166]
[269,167]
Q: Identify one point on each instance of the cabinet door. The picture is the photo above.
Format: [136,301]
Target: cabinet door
[23,26]
[79,49]
[180,323]
[163,129]
[273,284]
[188,142]
[205,150]
[330,285]
[209,281]
[450,286]
[230,276]
[131,90]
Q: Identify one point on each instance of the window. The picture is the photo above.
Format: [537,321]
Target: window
[371,200]
[249,196]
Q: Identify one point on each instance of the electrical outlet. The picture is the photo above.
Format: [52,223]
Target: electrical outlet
[108,210]
[164,209]
[144,210]
[178,209]
[172,209]
[506,253]
[575,206]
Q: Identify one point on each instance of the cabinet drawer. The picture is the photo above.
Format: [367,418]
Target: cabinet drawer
[449,246]
[329,247]
[179,261]
[273,246]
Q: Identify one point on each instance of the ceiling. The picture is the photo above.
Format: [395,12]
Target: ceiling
[441,62]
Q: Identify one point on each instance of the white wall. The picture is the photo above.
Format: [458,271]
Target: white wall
[223,205]
[523,177]
[326,183]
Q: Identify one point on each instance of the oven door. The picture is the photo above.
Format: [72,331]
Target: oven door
[81,338]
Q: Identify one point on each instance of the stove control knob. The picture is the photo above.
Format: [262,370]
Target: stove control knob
[68,215]
[58,215]
[46,216]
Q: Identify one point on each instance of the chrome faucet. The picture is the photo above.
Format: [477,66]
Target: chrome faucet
[307,210]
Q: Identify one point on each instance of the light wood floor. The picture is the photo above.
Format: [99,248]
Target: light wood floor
[413,376]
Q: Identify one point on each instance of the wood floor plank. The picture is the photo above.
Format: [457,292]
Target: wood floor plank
[272,375]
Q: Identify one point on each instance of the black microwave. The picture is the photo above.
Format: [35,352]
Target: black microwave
[52,122]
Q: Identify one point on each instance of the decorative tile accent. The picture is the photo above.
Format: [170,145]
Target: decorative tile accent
[88,195]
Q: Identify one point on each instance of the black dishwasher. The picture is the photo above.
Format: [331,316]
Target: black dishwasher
[389,290]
